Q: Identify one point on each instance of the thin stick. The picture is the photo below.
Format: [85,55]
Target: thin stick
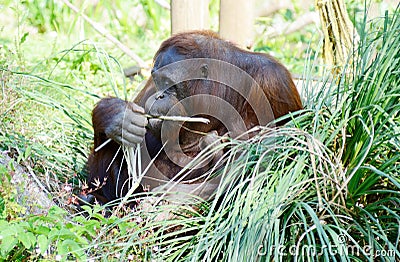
[99,28]
[102,145]
[167,118]
[181,119]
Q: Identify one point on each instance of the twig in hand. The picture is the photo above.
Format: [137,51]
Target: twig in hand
[102,145]
[181,119]
[167,118]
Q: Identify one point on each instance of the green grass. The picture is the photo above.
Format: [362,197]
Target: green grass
[327,183]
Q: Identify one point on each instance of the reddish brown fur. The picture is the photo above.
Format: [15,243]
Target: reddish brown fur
[274,79]
[276,82]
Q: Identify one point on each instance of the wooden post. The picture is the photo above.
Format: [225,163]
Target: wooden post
[236,21]
[189,15]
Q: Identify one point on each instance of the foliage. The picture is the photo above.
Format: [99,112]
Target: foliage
[37,236]
[56,235]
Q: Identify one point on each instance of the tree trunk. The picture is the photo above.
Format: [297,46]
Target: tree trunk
[236,21]
[189,15]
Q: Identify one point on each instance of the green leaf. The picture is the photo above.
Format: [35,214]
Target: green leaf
[91,227]
[42,230]
[68,246]
[23,38]
[3,225]
[57,211]
[11,230]
[43,243]
[7,244]
[27,239]
[10,167]
[62,233]
[27,152]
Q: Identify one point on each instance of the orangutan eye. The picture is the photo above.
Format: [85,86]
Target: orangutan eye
[204,70]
